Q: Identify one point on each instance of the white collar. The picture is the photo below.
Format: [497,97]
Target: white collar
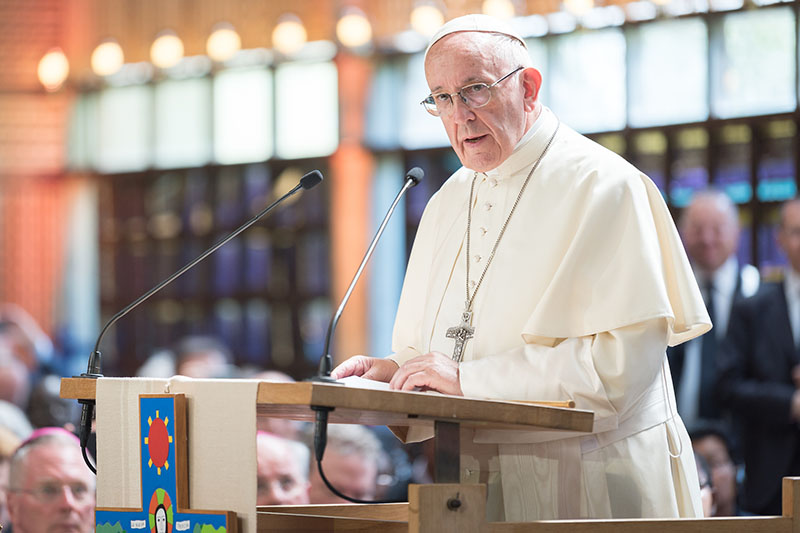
[791,284]
[724,278]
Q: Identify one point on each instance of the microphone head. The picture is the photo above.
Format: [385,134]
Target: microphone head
[311,179]
[415,175]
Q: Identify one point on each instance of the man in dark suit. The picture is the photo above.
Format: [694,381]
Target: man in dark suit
[756,365]
[709,229]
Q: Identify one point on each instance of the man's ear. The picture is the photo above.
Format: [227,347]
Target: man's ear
[531,82]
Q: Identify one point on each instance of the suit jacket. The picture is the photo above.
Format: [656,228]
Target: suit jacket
[676,354]
[754,365]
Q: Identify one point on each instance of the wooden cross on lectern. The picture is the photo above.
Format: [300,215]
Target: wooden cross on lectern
[163,442]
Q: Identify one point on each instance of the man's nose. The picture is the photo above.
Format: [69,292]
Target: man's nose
[66,499]
[462,113]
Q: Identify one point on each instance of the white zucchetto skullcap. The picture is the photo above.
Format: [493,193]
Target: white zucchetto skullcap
[475,22]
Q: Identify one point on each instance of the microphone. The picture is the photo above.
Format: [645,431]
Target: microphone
[413,177]
[93,371]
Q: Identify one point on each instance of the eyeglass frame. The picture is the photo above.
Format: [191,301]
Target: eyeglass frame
[83,491]
[489,87]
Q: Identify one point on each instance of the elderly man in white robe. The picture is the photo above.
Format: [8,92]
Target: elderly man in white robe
[546,268]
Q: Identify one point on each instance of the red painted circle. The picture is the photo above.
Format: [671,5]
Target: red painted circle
[158,442]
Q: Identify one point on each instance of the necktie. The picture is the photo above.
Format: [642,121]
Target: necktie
[708,371]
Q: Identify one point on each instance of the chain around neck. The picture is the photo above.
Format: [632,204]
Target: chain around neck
[471,299]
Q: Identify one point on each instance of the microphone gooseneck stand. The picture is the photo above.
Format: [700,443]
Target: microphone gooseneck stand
[93,371]
[413,177]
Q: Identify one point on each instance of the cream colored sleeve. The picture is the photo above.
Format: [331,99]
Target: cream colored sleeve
[401,356]
[606,372]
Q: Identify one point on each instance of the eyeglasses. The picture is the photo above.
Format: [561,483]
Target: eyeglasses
[474,95]
[50,492]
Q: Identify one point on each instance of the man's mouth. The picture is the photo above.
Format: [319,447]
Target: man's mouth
[473,140]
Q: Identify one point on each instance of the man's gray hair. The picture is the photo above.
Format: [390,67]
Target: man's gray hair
[352,439]
[719,198]
[18,464]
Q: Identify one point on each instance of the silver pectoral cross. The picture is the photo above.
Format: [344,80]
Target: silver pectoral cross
[461,333]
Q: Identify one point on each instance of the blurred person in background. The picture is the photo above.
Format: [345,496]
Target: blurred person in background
[707,495]
[9,442]
[350,464]
[15,377]
[46,408]
[203,357]
[28,341]
[284,427]
[282,470]
[709,227]
[759,376]
[15,420]
[710,440]
[159,364]
[395,471]
[50,488]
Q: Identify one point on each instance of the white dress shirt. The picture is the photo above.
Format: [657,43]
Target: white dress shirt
[791,287]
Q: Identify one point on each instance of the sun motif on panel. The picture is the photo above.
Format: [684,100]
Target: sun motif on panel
[158,440]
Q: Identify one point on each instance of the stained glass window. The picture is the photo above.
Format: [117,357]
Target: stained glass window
[306,109]
[753,61]
[668,72]
[243,118]
[587,79]
[124,141]
[183,123]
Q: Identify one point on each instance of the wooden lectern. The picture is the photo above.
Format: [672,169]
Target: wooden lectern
[445,505]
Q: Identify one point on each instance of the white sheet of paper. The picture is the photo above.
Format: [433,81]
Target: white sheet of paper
[362,383]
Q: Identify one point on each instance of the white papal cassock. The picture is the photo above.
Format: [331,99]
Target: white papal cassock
[589,285]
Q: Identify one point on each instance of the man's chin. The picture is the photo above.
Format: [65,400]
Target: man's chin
[479,160]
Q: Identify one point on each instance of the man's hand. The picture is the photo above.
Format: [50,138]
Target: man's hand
[367,367]
[432,371]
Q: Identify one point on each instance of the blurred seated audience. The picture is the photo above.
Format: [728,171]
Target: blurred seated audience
[160,364]
[711,441]
[194,356]
[15,377]
[284,427]
[395,471]
[707,495]
[8,444]
[15,420]
[50,487]
[756,363]
[203,357]
[350,464]
[282,470]
[29,343]
[46,408]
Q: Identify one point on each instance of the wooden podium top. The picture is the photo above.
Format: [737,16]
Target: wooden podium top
[390,408]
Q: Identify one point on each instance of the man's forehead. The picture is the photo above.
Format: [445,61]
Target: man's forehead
[53,457]
[474,23]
